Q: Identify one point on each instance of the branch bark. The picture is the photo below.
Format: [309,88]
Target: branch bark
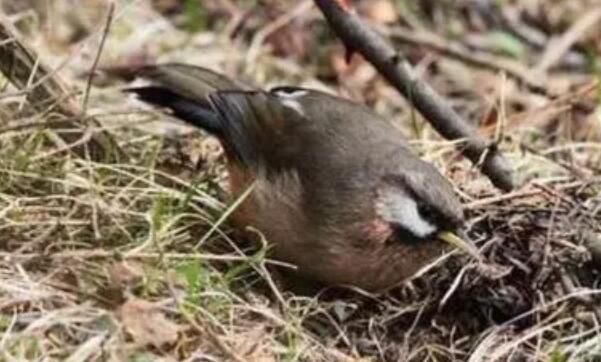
[358,36]
[47,94]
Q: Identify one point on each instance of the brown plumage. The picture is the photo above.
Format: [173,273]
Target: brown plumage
[337,191]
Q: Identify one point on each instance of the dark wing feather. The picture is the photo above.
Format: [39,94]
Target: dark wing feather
[197,113]
[255,126]
[182,88]
[226,108]
[192,82]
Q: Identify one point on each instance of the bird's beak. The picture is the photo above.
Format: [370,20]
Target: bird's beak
[456,241]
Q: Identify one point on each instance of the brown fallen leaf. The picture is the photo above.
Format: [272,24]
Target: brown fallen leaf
[124,275]
[122,278]
[146,323]
[254,345]
[379,11]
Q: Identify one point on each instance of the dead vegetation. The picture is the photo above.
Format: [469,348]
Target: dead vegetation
[133,260]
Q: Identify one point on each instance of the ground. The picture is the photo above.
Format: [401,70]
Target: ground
[130,257]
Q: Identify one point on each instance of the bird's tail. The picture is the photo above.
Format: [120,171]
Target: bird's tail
[182,88]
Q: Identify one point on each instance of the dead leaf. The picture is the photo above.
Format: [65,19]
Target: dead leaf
[357,75]
[146,323]
[254,345]
[379,11]
[124,275]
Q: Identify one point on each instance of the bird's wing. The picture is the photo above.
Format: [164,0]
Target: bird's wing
[184,89]
[249,123]
[256,127]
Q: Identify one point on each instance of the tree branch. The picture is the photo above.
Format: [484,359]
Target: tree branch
[357,36]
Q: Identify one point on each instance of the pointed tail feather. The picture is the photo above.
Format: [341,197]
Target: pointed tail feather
[192,82]
[197,113]
[204,99]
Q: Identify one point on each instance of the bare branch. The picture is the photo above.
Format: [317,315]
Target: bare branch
[359,37]
[557,48]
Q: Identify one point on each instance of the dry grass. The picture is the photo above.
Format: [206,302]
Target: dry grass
[133,261]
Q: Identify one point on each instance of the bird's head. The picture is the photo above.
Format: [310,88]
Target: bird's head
[420,203]
[421,206]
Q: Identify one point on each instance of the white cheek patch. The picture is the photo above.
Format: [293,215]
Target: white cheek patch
[397,208]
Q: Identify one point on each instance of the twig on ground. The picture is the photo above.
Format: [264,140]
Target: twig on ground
[357,36]
[518,194]
[45,90]
[557,49]
[206,330]
[105,33]
[455,50]
[100,254]
[215,339]
[512,22]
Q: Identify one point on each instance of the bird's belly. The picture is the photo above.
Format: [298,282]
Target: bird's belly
[327,258]
[373,269]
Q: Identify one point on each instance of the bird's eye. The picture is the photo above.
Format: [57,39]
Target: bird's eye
[434,215]
[425,209]
[430,213]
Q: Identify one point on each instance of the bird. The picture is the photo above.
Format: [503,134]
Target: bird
[331,185]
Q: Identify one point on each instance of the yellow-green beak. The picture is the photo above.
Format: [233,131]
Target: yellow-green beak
[459,243]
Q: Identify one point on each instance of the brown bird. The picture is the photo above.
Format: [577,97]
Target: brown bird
[337,191]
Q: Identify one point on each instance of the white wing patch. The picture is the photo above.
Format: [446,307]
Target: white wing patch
[290,93]
[290,98]
[291,103]
[396,208]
